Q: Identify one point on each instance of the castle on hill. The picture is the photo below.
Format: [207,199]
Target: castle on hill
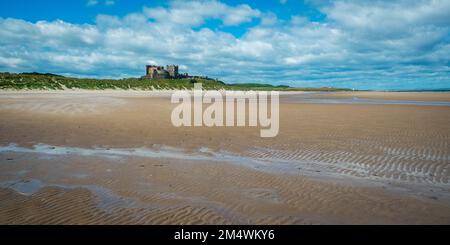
[170,72]
[158,72]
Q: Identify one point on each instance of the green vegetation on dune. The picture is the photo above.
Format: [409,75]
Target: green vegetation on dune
[56,82]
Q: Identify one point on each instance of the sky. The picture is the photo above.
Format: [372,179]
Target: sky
[366,44]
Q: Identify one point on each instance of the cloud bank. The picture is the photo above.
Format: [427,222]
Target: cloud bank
[364,44]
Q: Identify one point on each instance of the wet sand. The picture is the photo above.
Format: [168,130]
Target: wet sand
[115,158]
[413,96]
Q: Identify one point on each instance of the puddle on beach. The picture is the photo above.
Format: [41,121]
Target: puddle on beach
[105,197]
[25,187]
[267,160]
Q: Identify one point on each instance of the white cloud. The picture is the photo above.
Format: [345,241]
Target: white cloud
[110,2]
[377,43]
[390,14]
[194,13]
[92,2]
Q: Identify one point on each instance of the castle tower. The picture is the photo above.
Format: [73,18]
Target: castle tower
[152,71]
[173,71]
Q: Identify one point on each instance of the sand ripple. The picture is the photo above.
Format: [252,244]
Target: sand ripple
[395,164]
[68,106]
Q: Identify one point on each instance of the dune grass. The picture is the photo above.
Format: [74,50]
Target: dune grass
[38,81]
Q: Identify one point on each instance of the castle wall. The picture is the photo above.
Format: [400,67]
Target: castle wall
[158,72]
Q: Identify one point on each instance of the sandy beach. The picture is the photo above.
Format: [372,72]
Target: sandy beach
[113,157]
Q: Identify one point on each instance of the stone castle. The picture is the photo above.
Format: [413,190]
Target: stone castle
[158,72]
[171,72]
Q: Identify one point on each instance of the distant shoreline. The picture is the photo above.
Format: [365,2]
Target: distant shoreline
[49,82]
[295,90]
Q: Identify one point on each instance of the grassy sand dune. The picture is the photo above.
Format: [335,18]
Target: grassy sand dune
[37,81]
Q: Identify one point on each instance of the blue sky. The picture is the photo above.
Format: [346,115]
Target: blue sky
[75,11]
[354,44]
